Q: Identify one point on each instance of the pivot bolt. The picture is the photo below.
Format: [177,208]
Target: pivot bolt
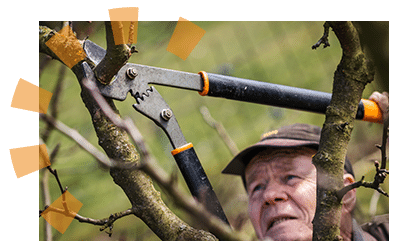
[166,114]
[131,73]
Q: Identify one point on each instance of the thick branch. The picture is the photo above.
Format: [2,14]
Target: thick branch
[351,76]
[80,140]
[116,57]
[45,34]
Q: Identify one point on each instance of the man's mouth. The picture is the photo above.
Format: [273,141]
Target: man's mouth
[279,220]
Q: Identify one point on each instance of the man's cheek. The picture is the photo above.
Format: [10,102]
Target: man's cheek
[254,213]
[308,193]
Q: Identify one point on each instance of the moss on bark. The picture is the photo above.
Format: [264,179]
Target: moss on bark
[351,76]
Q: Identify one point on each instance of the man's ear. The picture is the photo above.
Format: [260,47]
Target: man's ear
[349,199]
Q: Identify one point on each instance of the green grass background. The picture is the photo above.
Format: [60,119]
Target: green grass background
[276,52]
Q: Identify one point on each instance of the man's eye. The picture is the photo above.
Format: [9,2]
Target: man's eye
[258,187]
[291,177]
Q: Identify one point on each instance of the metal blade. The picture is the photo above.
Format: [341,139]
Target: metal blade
[146,74]
[93,51]
[168,77]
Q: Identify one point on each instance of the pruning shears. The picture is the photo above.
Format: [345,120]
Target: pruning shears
[135,79]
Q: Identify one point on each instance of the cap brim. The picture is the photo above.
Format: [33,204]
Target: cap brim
[238,164]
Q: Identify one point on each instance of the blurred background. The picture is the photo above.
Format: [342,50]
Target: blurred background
[275,52]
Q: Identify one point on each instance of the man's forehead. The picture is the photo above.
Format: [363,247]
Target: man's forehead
[277,159]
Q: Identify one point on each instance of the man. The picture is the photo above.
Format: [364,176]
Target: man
[280,180]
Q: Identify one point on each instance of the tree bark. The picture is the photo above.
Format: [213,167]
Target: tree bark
[352,74]
[116,57]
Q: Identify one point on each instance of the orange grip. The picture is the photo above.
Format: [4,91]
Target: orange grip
[206,86]
[372,112]
[183,148]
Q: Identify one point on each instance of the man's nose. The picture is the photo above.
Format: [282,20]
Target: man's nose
[275,192]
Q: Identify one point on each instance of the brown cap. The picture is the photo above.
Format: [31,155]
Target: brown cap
[295,135]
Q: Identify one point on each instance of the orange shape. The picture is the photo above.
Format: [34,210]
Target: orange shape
[65,45]
[44,100]
[44,160]
[124,24]
[62,211]
[185,37]
[27,96]
[25,160]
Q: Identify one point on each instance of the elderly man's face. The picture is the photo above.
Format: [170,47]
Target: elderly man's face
[281,184]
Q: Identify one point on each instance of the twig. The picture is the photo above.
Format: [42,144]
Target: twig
[324,38]
[53,110]
[83,143]
[43,64]
[44,181]
[385,136]
[381,171]
[54,172]
[106,222]
[220,130]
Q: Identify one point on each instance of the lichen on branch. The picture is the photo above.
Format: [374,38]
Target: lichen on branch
[351,76]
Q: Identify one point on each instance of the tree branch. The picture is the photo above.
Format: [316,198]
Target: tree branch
[45,34]
[106,222]
[381,171]
[44,181]
[220,130]
[83,143]
[324,38]
[116,57]
[53,108]
[351,76]
[44,178]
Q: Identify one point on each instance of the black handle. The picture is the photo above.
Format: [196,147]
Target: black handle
[197,181]
[271,94]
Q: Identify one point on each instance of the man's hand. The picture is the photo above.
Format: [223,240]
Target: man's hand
[382,99]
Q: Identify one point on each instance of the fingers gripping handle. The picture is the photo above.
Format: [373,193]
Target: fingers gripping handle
[197,180]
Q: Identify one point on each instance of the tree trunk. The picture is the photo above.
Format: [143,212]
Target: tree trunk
[352,74]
